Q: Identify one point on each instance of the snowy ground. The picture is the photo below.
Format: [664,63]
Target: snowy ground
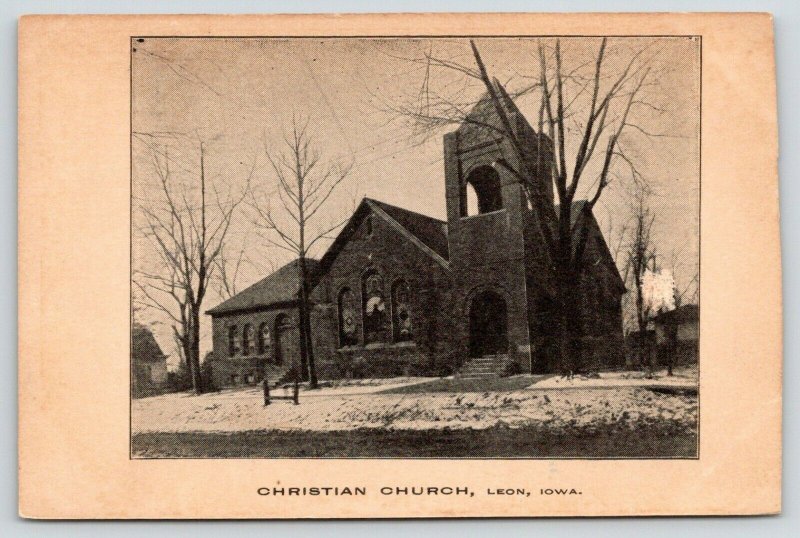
[682,378]
[348,406]
[349,387]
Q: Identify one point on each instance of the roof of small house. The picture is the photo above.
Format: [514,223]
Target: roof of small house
[682,314]
[280,287]
[144,345]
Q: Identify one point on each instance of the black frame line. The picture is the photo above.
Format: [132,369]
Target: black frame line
[699,37]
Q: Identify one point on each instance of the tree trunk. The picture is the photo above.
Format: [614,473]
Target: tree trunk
[306,347]
[303,341]
[194,352]
[641,317]
[187,351]
[568,314]
[570,328]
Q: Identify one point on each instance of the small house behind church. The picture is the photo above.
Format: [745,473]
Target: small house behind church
[677,333]
[149,364]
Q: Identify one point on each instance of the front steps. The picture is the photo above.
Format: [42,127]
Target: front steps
[488,366]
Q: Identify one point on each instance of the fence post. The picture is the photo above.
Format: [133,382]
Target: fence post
[266,391]
[296,392]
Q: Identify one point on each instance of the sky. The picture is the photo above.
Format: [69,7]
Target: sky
[240,95]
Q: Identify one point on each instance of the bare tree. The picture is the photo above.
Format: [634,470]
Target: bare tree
[616,236]
[689,292]
[585,110]
[231,265]
[187,226]
[234,266]
[640,256]
[304,185]
[229,271]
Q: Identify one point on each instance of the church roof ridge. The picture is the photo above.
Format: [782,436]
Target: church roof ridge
[280,286]
[415,213]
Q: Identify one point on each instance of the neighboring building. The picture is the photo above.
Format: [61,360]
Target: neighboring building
[399,292]
[640,348]
[678,332]
[149,364]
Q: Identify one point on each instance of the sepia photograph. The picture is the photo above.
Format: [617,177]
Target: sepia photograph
[415,247]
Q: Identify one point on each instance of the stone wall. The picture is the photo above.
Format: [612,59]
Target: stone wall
[385,251]
[247,368]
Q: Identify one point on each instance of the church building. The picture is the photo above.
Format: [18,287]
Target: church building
[400,293]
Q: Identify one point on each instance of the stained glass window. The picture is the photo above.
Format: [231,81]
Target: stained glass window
[264,339]
[401,308]
[249,343]
[375,318]
[347,318]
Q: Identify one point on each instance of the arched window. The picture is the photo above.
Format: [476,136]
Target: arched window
[374,309]
[401,310]
[472,201]
[482,192]
[347,318]
[264,339]
[234,344]
[248,340]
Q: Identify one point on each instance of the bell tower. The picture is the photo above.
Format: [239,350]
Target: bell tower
[496,261]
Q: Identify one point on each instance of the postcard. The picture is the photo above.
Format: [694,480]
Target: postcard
[411,265]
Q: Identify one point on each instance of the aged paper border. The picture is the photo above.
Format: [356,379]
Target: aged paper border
[74,293]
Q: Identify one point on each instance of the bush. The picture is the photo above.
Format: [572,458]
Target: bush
[179,380]
[446,364]
[207,376]
[511,368]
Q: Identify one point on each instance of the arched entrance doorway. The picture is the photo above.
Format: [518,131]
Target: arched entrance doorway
[287,343]
[488,325]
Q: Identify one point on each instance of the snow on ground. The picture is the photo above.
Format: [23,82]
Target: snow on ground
[359,386]
[381,382]
[352,407]
[686,378]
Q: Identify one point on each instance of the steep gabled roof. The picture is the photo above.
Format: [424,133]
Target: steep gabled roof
[280,287]
[608,259]
[427,233]
[484,112]
[145,347]
[432,232]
